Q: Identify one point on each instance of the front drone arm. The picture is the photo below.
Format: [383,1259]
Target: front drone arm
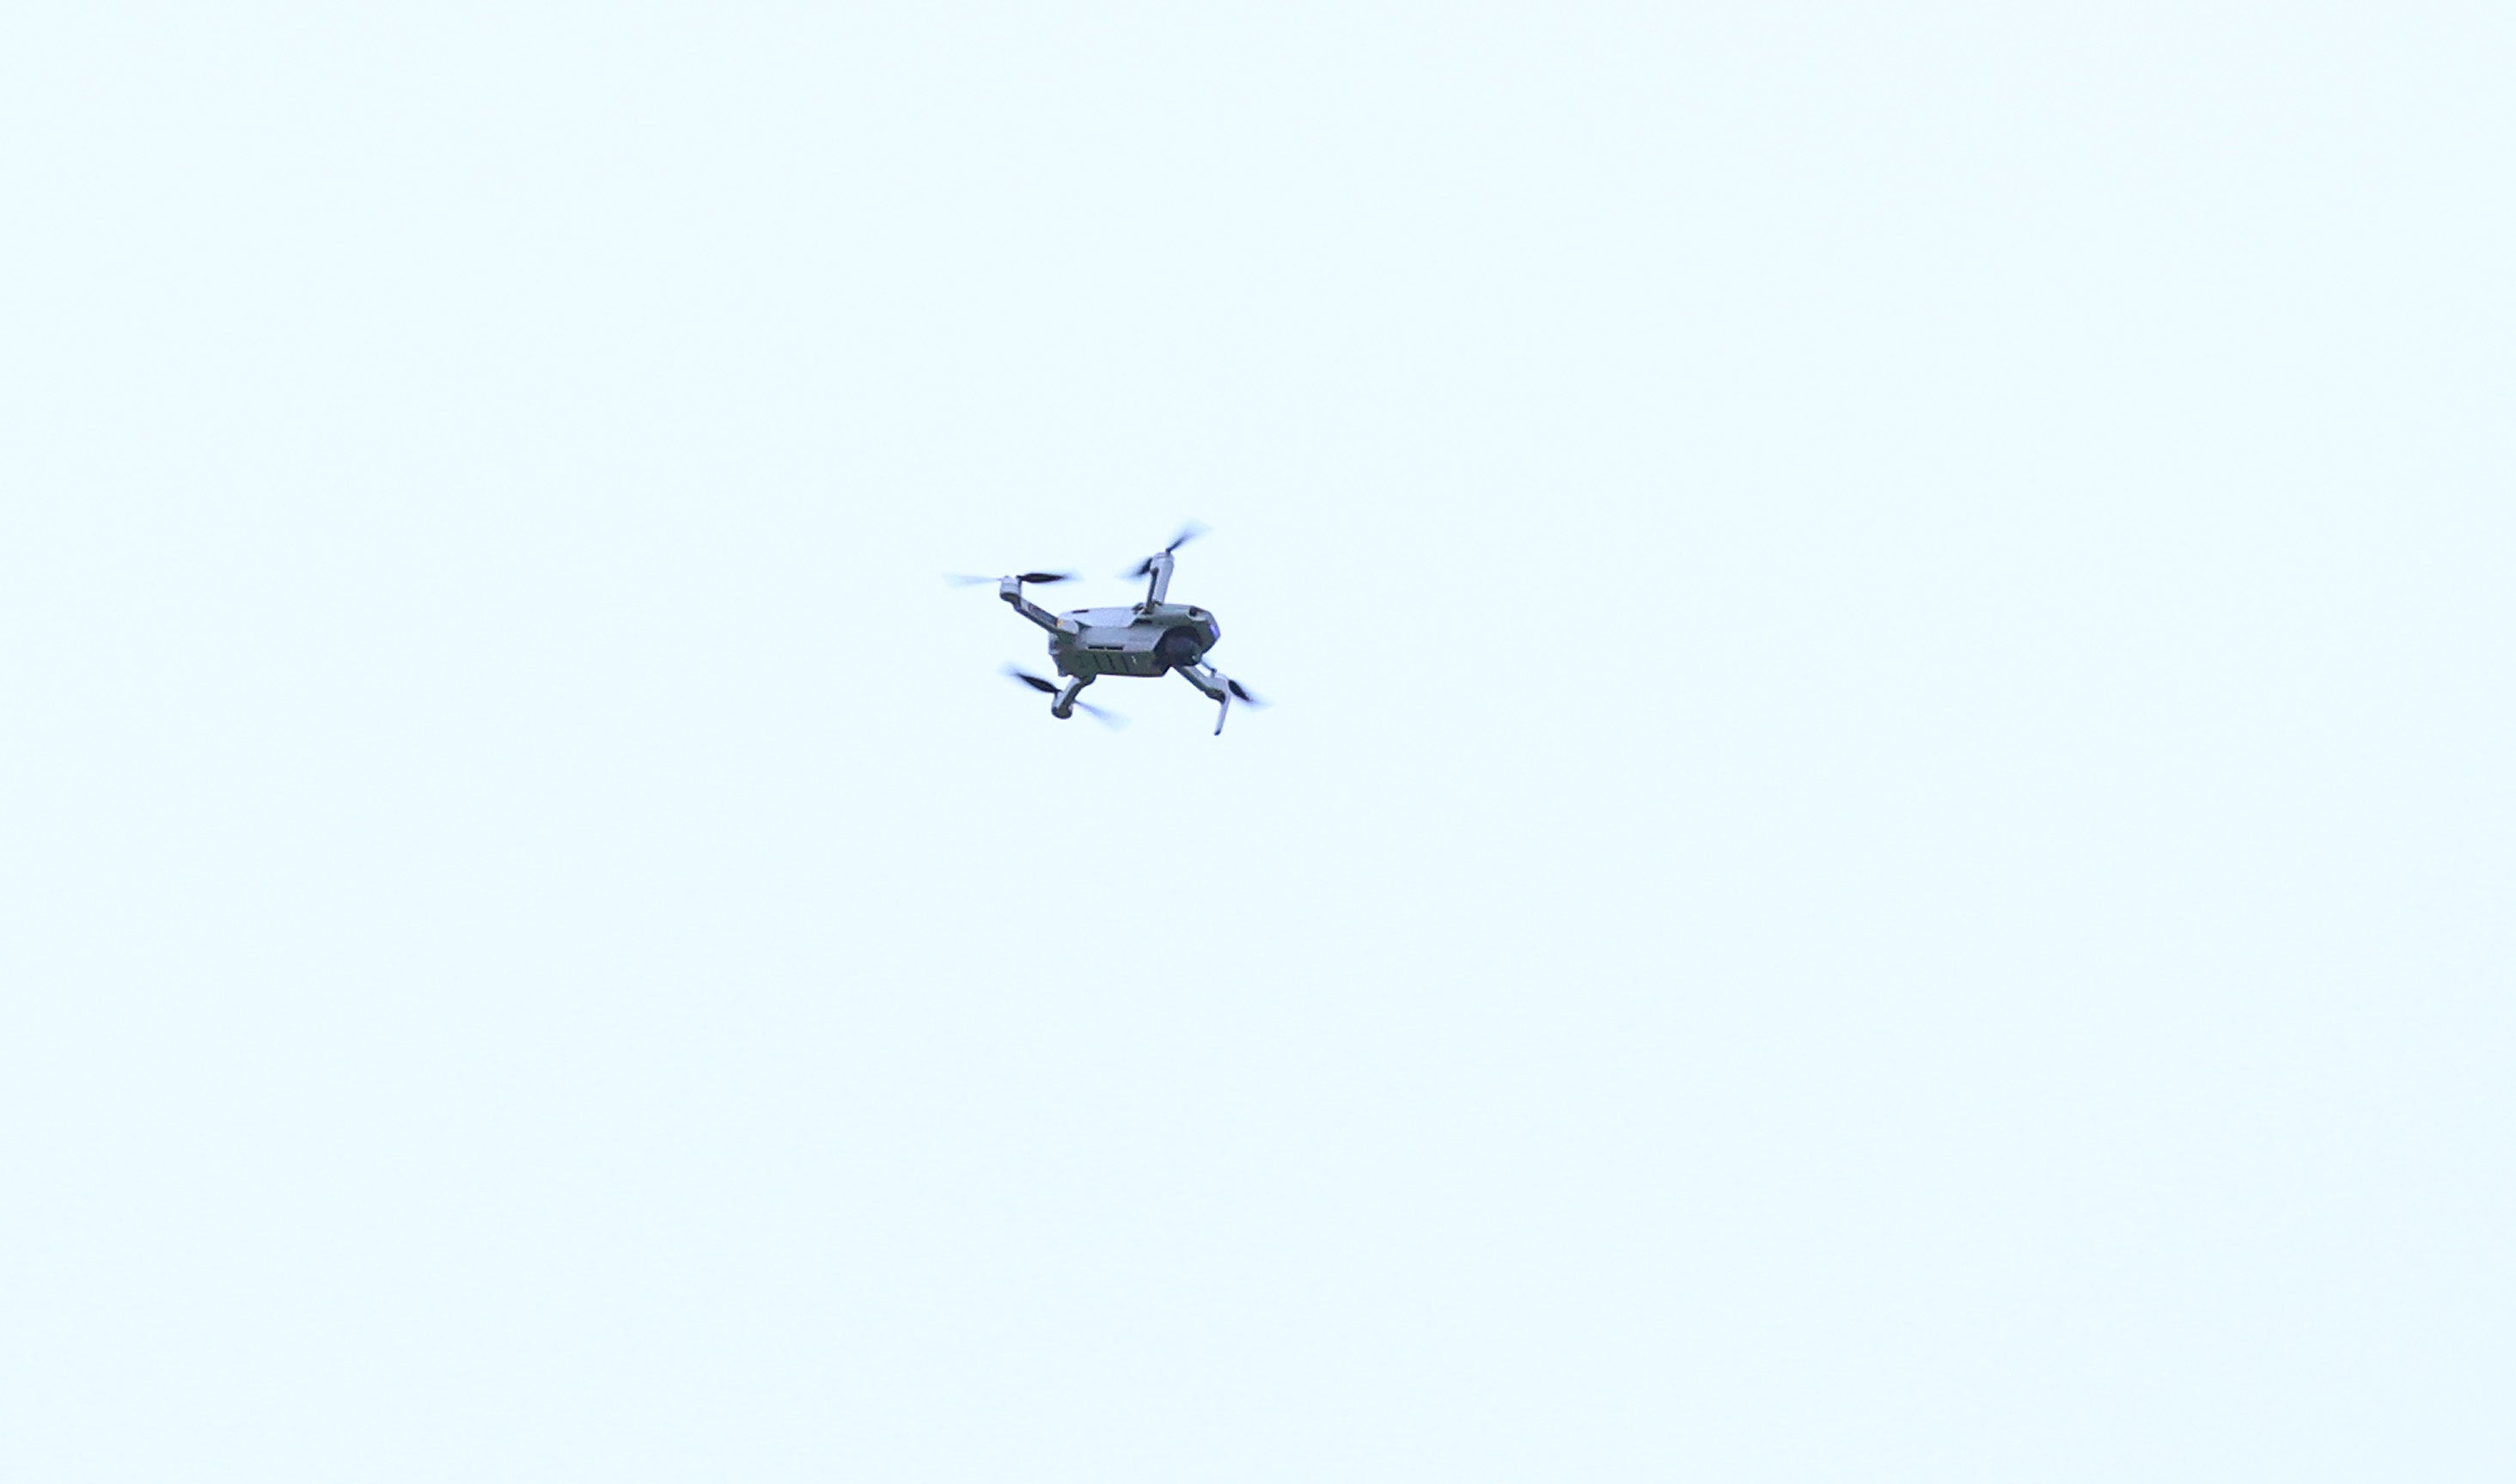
[1217,686]
[1011,590]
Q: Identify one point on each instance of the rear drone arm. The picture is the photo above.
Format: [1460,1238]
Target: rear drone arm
[1011,590]
[1157,566]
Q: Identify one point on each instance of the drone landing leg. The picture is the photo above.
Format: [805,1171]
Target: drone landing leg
[1064,710]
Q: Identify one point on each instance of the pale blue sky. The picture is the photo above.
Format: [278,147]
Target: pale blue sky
[1884,852]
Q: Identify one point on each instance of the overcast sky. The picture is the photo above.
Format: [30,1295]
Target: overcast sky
[1884,851]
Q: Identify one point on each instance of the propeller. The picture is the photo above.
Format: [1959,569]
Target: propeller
[1109,719]
[1187,532]
[965,579]
[1240,693]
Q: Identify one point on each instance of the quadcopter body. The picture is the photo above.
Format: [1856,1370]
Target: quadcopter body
[1130,641]
[1151,638]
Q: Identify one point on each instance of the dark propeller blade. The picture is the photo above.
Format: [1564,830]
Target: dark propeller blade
[1110,719]
[1187,532]
[1241,692]
[965,579]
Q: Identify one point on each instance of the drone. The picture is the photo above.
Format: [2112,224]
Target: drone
[1147,639]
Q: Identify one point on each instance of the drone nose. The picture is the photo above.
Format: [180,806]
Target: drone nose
[1180,646]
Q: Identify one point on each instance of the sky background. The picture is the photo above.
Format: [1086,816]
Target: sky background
[1884,850]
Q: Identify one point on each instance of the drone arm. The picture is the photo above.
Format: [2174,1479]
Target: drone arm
[1158,568]
[1216,686]
[1204,677]
[1011,590]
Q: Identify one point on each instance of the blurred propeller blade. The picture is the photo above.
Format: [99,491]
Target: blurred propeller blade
[1187,532]
[1241,692]
[965,579]
[1110,719]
